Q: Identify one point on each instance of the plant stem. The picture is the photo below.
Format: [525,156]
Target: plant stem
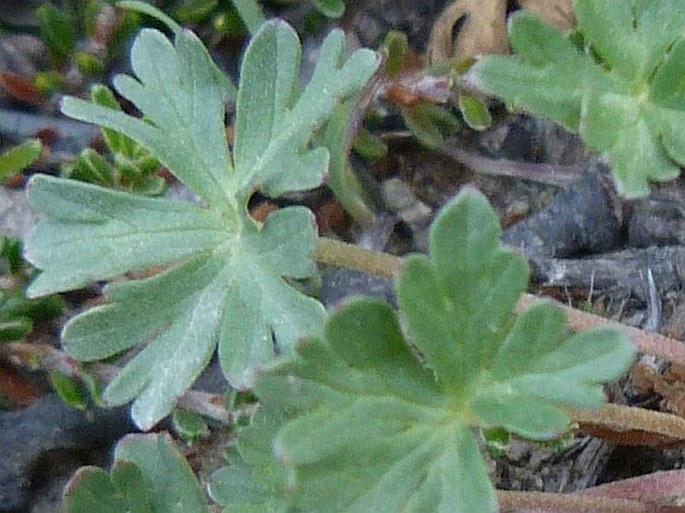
[342,254]
[629,425]
[542,502]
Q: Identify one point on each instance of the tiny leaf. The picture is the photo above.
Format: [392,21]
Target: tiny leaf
[330,8]
[189,425]
[429,123]
[16,159]
[14,329]
[395,46]
[475,111]
[68,390]
[57,30]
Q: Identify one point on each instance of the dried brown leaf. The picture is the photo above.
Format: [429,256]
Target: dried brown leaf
[558,14]
[483,31]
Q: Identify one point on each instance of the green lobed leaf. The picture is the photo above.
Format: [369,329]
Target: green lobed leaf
[274,125]
[252,481]
[235,487]
[372,427]
[375,432]
[223,276]
[622,93]
[468,287]
[149,475]
[129,482]
[91,489]
[169,480]
[178,90]
[123,232]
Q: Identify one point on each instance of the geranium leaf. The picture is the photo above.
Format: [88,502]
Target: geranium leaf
[377,420]
[621,92]
[221,276]
[149,475]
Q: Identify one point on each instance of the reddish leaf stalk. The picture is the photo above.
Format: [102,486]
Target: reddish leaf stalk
[629,425]
[541,502]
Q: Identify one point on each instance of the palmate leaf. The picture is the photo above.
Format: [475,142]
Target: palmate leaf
[252,481]
[374,427]
[623,93]
[149,475]
[223,277]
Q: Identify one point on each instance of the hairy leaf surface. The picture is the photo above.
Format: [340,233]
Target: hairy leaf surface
[149,475]
[221,276]
[252,481]
[380,420]
[622,91]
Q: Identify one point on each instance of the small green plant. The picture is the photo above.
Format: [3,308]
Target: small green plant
[132,167]
[356,414]
[615,80]
[80,35]
[17,158]
[429,122]
[18,313]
